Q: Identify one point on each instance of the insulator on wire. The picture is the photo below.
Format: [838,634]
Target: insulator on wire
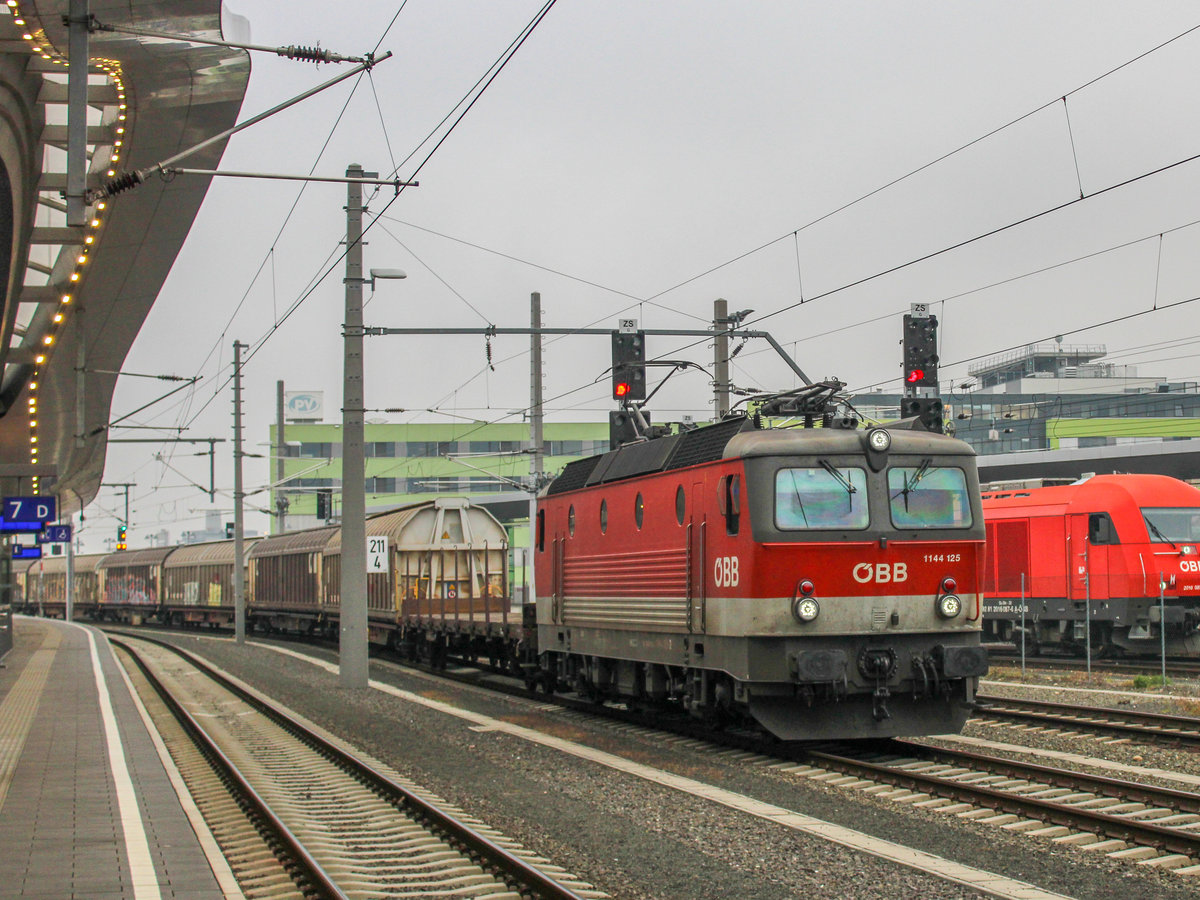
[489,353]
[121,183]
[306,54]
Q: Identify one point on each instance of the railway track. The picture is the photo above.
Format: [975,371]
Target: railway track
[312,819]
[1176,668]
[1125,819]
[1093,811]
[1182,731]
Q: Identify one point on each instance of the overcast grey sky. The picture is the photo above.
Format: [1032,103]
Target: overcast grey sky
[625,163]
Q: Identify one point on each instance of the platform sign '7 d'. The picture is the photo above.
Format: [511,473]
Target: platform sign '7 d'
[29,509]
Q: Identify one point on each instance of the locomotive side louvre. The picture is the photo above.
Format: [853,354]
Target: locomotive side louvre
[1087,552]
[686,580]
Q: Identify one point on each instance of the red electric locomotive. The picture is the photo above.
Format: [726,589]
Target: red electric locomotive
[1102,558]
[822,582]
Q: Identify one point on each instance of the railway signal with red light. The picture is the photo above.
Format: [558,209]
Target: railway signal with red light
[122,531]
[629,365]
[920,351]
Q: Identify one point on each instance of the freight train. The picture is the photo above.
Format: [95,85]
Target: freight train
[1109,561]
[818,583]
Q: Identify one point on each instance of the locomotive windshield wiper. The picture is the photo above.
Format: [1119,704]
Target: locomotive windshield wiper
[841,479]
[910,483]
[1157,533]
[799,499]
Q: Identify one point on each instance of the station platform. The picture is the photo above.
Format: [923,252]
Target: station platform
[91,805]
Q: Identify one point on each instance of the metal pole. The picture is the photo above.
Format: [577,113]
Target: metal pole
[536,436]
[281,504]
[1024,633]
[721,358]
[77,111]
[1087,607]
[239,587]
[69,615]
[352,658]
[1162,628]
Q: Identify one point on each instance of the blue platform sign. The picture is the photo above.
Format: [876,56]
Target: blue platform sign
[21,527]
[55,534]
[20,551]
[29,509]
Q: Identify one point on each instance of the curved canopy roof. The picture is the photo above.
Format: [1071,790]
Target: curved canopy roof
[174,95]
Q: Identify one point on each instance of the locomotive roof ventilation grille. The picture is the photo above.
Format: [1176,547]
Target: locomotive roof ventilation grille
[688,448]
[575,474]
[707,444]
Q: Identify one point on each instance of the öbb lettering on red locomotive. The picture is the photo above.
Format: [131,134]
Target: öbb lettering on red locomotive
[880,573]
[725,571]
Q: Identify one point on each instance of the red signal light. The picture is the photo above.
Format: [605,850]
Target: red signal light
[915,376]
[620,389]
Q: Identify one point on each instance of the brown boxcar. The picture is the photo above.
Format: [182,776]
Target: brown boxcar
[131,584]
[285,586]
[45,585]
[198,582]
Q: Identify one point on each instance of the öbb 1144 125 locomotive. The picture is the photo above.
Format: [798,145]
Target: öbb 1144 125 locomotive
[1106,560]
[821,582]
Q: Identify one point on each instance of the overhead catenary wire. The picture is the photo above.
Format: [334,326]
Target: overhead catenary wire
[801,295]
[495,72]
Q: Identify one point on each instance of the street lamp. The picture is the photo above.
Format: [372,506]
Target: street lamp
[353,656]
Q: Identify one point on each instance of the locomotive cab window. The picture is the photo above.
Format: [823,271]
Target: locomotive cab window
[823,496]
[1173,525]
[729,501]
[541,530]
[928,496]
[1101,530]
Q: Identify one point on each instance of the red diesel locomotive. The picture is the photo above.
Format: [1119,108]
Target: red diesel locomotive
[1113,553]
[821,582]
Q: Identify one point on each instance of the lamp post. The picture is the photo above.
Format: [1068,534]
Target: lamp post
[352,646]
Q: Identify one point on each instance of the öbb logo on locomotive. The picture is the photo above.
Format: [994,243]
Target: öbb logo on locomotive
[880,573]
[725,571]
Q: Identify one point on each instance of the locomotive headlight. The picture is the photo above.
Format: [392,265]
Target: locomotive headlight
[949,606]
[879,440]
[806,609]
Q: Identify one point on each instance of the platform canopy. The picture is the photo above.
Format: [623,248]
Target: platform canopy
[76,296]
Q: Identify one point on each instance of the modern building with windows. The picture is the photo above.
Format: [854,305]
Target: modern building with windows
[407,463]
[1055,396]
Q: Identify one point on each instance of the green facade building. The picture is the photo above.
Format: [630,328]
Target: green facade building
[409,463]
